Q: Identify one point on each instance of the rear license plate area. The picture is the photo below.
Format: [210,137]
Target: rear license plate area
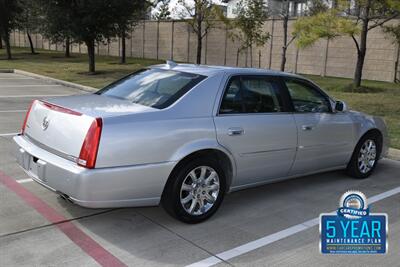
[33,165]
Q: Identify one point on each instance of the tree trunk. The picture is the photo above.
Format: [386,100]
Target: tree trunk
[30,43]
[1,42]
[285,36]
[199,48]
[67,47]
[361,54]
[237,57]
[91,54]
[251,56]
[246,57]
[123,48]
[396,65]
[8,46]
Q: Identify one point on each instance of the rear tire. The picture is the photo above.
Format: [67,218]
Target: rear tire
[365,156]
[195,190]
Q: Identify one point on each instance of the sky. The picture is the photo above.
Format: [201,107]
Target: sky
[175,10]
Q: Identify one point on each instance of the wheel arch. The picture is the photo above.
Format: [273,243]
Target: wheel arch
[222,155]
[374,131]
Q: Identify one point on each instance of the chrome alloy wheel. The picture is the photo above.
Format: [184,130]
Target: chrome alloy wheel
[199,190]
[367,156]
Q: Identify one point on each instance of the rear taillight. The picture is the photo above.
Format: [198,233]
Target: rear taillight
[26,117]
[88,155]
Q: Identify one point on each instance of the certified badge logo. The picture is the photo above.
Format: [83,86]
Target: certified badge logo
[353,229]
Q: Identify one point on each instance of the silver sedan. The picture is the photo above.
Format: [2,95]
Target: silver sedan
[184,135]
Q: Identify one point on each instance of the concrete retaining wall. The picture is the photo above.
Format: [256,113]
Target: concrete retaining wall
[174,40]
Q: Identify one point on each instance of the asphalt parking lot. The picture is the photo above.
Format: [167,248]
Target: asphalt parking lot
[272,225]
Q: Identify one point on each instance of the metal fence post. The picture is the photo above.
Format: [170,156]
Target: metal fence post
[226,44]
[119,46]
[325,62]
[205,49]
[131,40]
[172,39]
[271,45]
[296,60]
[188,44]
[143,37]
[158,38]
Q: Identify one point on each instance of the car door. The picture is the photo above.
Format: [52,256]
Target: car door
[252,122]
[324,136]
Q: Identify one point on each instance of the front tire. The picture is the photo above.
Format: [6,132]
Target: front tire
[195,190]
[365,156]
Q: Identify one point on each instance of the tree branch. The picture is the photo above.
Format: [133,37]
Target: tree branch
[291,40]
[383,21]
[356,42]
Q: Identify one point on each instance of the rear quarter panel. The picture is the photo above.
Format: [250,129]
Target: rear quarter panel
[135,140]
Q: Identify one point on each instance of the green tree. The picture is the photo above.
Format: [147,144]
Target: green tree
[29,19]
[9,13]
[328,25]
[284,14]
[247,27]
[89,21]
[317,6]
[55,23]
[394,32]
[352,18]
[200,16]
[163,12]
[129,14]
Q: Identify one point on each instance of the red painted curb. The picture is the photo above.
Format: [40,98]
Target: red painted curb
[85,242]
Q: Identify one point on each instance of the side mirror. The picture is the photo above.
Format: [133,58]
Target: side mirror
[340,106]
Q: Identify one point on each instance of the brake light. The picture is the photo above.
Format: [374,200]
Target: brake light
[90,146]
[26,117]
[60,109]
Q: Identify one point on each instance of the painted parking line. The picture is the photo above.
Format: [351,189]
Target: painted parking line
[22,96]
[23,181]
[80,238]
[8,134]
[269,239]
[13,111]
[32,85]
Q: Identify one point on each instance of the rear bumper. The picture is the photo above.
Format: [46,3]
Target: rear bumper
[139,185]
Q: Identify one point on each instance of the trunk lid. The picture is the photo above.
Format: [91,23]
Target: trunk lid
[60,125]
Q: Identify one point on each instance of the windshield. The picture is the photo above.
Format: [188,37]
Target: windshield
[155,88]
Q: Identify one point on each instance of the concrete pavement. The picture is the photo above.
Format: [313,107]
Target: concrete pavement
[149,237]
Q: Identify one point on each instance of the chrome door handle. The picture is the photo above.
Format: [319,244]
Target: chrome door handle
[307,127]
[235,131]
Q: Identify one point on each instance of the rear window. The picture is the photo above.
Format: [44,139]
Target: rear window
[152,87]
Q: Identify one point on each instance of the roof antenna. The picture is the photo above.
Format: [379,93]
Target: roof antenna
[171,64]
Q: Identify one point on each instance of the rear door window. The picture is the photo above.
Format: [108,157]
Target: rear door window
[251,94]
[155,88]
